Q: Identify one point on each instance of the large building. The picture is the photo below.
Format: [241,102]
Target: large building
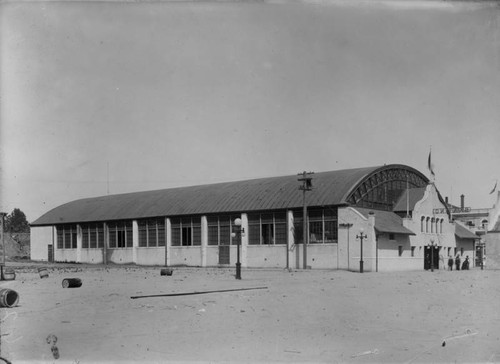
[384,218]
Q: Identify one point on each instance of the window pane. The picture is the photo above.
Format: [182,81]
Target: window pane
[186,236]
[161,232]
[67,238]
[143,236]
[112,236]
[129,234]
[197,235]
[298,236]
[315,232]
[267,234]
[213,235]
[254,234]
[152,241]
[280,234]
[85,236]
[60,238]
[330,231]
[100,235]
[225,235]
[176,235]
[93,236]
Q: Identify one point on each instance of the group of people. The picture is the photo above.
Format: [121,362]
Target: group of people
[465,264]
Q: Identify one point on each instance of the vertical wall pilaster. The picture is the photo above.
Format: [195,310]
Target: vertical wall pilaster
[79,239]
[204,240]
[168,243]
[290,244]
[135,240]
[244,241]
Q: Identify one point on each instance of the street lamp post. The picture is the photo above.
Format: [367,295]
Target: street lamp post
[361,236]
[431,245]
[238,234]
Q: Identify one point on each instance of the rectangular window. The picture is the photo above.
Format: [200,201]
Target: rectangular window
[322,226]
[120,234]
[151,232]
[391,237]
[400,250]
[219,230]
[60,237]
[66,236]
[89,236]
[267,229]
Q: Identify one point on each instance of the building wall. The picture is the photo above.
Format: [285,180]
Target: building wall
[380,252]
[492,247]
[41,238]
[349,245]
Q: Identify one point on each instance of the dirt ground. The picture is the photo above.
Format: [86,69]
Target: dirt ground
[298,316]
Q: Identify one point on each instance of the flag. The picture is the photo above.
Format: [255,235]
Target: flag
[494,188]
[430,165]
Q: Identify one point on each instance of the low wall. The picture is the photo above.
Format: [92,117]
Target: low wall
[268,256]
[185,255]
[120,255]
[94,256]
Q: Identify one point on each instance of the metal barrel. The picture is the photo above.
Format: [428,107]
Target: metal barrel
[166,271]
[71,282]
[8,298]
[43,272]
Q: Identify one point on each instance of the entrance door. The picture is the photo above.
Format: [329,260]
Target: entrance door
[223,254]
[431,253]
[51,253]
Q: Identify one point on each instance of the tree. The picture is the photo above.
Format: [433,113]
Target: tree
[16,222]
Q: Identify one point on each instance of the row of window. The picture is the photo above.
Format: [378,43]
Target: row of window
[263,229]
[431,225]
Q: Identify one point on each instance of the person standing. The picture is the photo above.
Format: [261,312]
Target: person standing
[465,264]
[457,262]
[450,262]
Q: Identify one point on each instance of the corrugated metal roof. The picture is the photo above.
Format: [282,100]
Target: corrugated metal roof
[464,233]
[387,222]
[329,188]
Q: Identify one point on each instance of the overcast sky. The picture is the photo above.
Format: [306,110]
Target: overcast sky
[131,96]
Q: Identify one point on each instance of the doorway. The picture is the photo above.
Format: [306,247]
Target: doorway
[431,255]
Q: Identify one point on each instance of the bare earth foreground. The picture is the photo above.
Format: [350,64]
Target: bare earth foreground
[302,316]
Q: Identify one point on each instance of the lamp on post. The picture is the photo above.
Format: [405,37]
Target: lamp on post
[239,232]
[361,236]
[432,246]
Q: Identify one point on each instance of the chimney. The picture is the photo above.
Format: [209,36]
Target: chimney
[462,201]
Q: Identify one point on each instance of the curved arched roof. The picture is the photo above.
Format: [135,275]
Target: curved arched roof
[329,188]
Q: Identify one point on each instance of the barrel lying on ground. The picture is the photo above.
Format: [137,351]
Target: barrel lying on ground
[166,271]
[9,275]
[71,282]
[8,298]
[43,273]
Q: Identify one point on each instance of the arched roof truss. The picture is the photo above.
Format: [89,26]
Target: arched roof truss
[381,188]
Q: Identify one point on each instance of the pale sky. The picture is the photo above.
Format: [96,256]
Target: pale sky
[183,93]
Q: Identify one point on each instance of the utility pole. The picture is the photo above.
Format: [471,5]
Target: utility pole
[306,180]
[2,244]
